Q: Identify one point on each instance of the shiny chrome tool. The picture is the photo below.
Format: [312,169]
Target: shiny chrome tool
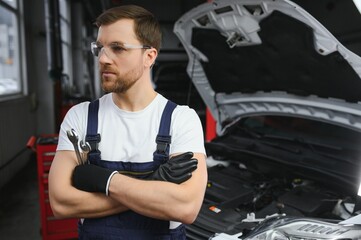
[86,148]
[74,139]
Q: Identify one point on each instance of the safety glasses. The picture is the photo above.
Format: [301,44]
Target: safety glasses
[114,49]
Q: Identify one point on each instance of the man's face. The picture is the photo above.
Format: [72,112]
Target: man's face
[119,67]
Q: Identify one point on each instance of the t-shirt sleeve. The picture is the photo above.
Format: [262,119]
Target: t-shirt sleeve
[74,119]
[186,131]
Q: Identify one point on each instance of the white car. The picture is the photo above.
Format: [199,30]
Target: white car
[285,93]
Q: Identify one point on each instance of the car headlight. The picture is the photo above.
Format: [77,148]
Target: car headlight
[297,229]
[301,229]
[271,235]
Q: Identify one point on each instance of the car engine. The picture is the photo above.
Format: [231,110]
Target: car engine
[239,200]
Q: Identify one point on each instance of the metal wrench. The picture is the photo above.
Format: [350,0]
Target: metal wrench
[74,139]
[86,148]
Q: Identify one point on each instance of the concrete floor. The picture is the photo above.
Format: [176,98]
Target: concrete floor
[19,206]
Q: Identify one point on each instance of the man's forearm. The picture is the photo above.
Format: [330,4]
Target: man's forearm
[67,201]
[101,206]
[143,196]
[93,178]
[85,205]
[162,200]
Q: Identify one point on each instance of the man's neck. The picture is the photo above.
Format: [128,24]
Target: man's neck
[135,99]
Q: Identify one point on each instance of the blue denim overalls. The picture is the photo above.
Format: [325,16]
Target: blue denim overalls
[130,225]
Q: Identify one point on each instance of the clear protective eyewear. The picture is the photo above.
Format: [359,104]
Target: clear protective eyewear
[114,49]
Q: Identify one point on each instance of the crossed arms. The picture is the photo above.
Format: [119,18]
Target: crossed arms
[157,199]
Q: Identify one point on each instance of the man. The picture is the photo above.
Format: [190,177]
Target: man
[132,188]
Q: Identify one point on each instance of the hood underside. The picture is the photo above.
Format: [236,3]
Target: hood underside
[256,57]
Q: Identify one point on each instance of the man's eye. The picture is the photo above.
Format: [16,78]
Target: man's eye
[117,49]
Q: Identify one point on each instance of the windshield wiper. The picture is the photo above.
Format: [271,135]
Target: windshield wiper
[266,139]
[282,147]
[259,137]
[301,140]
[312,146]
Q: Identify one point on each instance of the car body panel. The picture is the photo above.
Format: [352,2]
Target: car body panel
[243,63]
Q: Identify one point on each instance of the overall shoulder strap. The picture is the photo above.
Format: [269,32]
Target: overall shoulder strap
[163,138]
[92,135]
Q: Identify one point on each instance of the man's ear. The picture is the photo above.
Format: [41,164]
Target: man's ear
[150,56]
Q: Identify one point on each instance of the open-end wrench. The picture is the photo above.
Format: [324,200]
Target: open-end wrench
[86,148]
[74,139]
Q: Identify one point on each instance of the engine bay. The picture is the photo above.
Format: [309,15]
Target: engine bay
[234,192]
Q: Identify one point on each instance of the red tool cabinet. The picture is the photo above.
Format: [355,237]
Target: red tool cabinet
[210,126]
[51,228]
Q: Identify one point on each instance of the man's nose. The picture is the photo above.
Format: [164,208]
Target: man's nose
[104,56]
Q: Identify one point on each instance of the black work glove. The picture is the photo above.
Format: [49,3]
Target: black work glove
[92,178]
[177,169]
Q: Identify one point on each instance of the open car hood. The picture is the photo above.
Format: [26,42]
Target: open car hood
[269,57]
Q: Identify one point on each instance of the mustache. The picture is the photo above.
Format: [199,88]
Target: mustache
[107,69]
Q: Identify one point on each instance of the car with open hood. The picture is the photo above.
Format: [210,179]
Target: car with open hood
[285,94]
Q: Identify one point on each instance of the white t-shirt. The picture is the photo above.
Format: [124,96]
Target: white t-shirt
[130,136]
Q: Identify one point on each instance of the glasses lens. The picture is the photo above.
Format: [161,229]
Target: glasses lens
[116,48]
[94,49]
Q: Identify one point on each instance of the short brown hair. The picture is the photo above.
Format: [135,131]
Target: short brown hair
[146,26]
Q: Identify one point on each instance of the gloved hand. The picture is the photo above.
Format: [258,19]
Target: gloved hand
[177,169]
[92,178]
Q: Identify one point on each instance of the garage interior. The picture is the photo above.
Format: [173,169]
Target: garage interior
[20,210]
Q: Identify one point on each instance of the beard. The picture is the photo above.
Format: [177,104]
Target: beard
[121,83]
